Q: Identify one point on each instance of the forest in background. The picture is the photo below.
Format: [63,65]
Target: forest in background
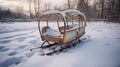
[107,10]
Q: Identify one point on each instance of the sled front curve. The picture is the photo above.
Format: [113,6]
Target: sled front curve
[48,37]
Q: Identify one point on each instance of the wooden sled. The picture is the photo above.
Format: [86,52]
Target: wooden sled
[73,28]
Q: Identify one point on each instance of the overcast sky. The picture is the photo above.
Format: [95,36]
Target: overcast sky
[13,4]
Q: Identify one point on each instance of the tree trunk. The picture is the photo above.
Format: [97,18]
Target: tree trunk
[30,10]
[69,4]
[102,8]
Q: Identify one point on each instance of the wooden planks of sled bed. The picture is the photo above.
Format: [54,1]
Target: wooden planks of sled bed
[52,39]
[68,37]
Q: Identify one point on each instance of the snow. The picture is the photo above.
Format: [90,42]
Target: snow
[100,49]
[73,12]
[51,32]
[51,12]
[73,26]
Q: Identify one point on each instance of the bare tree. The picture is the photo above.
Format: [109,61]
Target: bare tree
[68,3]
[30,8]
[38,8]
[19,10]
[83,6]
[102,7]
[47,6]
[35,7]
[73,3]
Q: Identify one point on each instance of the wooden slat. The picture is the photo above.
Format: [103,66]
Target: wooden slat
[53,39]
[68,33]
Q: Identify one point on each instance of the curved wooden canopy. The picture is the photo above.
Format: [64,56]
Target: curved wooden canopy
[72,13]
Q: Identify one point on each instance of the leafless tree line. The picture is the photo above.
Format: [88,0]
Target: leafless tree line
[36,4]
[105,9]
[108,9]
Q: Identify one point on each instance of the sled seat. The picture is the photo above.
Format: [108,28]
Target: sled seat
[51,35]
[54,36]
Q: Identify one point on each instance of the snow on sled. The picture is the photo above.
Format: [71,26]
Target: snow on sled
[70,26]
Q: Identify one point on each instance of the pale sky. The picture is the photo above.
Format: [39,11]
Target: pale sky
[12,4]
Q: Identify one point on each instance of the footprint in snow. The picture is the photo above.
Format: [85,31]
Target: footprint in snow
[5,41]
[23,46]
[85,38]
[20,47]
[1,47]
[118,38]
[100,30]
[21,39]
[8,37]
[110,27]
[12,53]
[107,44]
[104,37]
[29,54]
[10,61]
[118,65]
[4,49]
[32,41]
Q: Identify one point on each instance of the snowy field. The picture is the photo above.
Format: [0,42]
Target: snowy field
[100,49]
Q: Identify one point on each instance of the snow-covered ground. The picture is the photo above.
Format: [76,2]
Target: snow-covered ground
[101,49]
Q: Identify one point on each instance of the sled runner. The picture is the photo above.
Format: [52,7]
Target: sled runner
[70,26]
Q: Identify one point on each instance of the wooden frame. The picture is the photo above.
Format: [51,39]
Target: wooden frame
[69,35]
